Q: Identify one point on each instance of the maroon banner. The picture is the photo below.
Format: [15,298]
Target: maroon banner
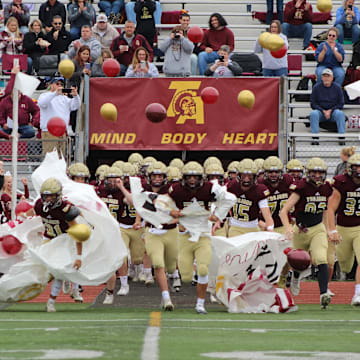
[190,124]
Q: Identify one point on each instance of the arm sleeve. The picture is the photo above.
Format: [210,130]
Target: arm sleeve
[10,85]
[73,13]
[263,203]
[75,103]
[204,41]
[230,39]
[308,15]
[25,17]
[115,47]
[130,72]
[46,98]
[314,100]
[165,44]
[4,135]
[88,13]
[208,71]
[235,68]
[153,71]
[95,50]
[187,45]
[72,214]
[289,12]
[71,51]
[35,113]
[340,99]
[257,47]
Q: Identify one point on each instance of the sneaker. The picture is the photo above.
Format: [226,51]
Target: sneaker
[355,300]
[109,298]
[124,290]
[295,285]
[50,307]
[314,141]
[325,300]
[142,277]
[66,287]
[282,282]
[176,284]
[167,305]
[194,280]
[200,309]
[341,141]
[75,294]
[330,292]
[149,279]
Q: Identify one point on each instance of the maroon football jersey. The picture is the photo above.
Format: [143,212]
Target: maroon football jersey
[53,219]
[247,203]
[278,197]
[183,196]
[348,213]
[312,203]
[114,200]
[128,216]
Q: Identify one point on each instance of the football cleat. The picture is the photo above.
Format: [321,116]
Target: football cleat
[295,285]
[167,305]
[200,309]
[109,299]
[355,300]
[75,294]
[50,307]
[66,287]
[176,284]
[149,279]
[282,281]
[325,300]
[330,292]
[124,290]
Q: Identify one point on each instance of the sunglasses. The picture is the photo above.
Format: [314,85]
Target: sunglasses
[57,23]
[331,35]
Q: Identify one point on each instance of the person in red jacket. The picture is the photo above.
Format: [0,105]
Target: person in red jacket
[298,21]
[123,47]
[217,35]
[28,115]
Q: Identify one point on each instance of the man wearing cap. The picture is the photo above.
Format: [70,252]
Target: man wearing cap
[55,103]
[104,32]
[326,101]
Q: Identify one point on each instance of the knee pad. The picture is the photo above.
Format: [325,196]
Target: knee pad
[202,270]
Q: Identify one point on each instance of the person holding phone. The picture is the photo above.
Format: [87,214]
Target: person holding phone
[223,66]
[82,64]
[141,66]
[347,22]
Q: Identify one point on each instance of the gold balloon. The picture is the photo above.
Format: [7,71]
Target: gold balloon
[109,112]
[324,6]
[79,232]
[274,42]
[66,68]
[262,38]
[246,98]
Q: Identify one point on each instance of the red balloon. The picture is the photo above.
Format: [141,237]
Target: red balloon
[195,34]
[155,112]
[298,259]
[10,244]
[111,67]
[209,95]
[56,126]
[22,207]
[279,53]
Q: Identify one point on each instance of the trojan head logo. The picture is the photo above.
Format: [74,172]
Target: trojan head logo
[185,103]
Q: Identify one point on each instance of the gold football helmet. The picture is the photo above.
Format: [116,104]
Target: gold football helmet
[78,170]
[176,163]
[135,158]
[314,165]
[273,168]
[51,192]
[193,174]
[173,174]
[215,172]
[354,160]
[118,163]
[100,171]
[211,160]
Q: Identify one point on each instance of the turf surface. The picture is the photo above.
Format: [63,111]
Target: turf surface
[25,329]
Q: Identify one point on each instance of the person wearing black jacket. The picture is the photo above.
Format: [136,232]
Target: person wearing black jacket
[48,10]
[145,22]
[59,38]
[34,45]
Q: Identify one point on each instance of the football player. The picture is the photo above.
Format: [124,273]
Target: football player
[232,170]
[99,175]
[344,204]
[193,187]
[57,216]
[178,163]
[251,199]
[173,175]
[295,169]
[114,195]
[135,159]
[310,197]
[259,162]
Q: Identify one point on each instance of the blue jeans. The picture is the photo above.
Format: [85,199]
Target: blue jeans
[355,33]
[205,59]
[275,72]
[303,31]
[109,7]
[316,116]
[130,13]
[25,131]
[339,74]
[279,10]
[75,32]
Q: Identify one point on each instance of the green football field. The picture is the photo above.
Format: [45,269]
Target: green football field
[79,332]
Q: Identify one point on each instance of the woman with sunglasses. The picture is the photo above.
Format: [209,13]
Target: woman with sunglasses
[330,54]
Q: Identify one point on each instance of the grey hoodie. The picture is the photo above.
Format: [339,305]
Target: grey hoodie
[92,43]
[177,56]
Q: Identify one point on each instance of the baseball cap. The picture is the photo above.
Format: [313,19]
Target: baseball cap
[102,18]
[56,79]
[327,72]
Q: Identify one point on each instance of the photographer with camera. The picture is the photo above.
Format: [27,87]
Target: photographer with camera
[347,22]
[56,102]
[223,66]
[177,50]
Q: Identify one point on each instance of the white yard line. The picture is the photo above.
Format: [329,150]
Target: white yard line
[150,350]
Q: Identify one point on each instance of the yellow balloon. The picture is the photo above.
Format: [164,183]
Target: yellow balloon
[274,42]
[66,68]
[262,38]
[246,98]
[109,112]
[324,6]
[79,232]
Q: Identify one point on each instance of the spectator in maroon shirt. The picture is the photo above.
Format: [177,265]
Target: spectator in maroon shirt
[28,115]
[217,35]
